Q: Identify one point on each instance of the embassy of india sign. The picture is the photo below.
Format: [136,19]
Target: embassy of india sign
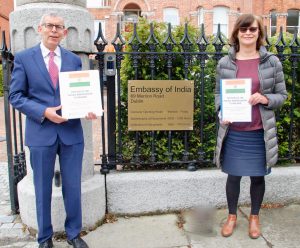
[160,105]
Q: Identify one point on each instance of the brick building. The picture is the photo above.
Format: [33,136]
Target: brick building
[275,13]
[6,6]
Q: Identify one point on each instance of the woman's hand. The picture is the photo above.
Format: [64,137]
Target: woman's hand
[258,98]
[223,122]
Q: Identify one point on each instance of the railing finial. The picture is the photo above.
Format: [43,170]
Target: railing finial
[3,43]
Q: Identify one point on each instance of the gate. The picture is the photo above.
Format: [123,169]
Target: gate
[185,56]
[14,132]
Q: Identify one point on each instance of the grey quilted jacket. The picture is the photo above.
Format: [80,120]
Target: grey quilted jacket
[272,85]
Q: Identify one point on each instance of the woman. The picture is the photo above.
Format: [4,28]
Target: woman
[249,148]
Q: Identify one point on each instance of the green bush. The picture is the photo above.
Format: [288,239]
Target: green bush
[194,73]
[1,81]
[283,115]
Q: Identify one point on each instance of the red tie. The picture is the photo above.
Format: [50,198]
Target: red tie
[53,69]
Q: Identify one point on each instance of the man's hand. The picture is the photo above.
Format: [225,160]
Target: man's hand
[51,115]
[91,116]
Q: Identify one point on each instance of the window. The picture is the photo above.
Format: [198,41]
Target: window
[96,28]
[97,3]
[221,16]
[131,16]
[293,20]
[273,22]
[171,16]
[200,16]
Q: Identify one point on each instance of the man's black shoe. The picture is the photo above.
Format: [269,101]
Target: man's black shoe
[78,243]
[47,244]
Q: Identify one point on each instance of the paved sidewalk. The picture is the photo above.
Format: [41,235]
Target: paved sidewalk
[11,227]
[280,228]
[189,229]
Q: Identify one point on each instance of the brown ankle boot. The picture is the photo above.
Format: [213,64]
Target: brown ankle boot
[254,229]
[229,225]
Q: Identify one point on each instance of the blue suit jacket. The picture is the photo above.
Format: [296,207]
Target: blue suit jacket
[31,92]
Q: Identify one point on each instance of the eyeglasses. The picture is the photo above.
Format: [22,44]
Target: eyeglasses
[251,29]
[50,26]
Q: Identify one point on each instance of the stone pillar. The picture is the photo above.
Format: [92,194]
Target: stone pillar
[23,23]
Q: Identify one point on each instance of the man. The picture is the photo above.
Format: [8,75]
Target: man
[34,91]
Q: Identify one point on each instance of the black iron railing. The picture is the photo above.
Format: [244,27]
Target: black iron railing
[148,51]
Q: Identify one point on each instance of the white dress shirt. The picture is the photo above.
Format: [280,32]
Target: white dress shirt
[46,56]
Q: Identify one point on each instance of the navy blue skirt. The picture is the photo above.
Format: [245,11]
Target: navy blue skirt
[244,153]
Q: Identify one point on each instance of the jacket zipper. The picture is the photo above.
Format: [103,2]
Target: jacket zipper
[262,117]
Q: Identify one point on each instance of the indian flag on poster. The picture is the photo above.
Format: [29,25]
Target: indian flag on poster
[80,79]
[80,93]
[235,94]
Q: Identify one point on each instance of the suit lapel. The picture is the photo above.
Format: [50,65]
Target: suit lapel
[39,60]
[63,54]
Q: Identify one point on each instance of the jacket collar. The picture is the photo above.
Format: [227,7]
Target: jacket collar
[263,53]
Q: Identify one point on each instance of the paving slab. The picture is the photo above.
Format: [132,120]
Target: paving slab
[13,233]
[33,244]
[7,219]
[280,226]
[158,231]
[202,239]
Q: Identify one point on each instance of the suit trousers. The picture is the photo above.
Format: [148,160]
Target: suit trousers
[42,159]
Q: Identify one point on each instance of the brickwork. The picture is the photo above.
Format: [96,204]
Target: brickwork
[126,3]
[153,10]
[5,8]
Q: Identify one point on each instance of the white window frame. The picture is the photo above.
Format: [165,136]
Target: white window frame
[96,4]
[220,15]
[200,13]
[273,11]
[136,13]
[298,27]
[171,15]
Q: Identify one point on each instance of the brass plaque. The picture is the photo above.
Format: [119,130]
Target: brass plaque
[160,105]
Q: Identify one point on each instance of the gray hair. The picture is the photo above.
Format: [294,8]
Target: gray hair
[50,14]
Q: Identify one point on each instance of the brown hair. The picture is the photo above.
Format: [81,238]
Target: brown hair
[245,20]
